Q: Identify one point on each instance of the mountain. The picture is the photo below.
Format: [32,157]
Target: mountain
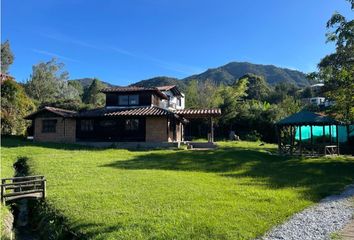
[230,72]
[159,81]
[225,74]
[86,82]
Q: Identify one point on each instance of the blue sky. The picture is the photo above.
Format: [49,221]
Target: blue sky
[126,41]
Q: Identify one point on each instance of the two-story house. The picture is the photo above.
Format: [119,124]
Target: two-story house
[131,114]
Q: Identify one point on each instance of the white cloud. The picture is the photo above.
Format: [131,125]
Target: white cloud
[176,67]
[51,54]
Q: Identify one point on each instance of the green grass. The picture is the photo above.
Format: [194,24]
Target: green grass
[238,191]
[6,170]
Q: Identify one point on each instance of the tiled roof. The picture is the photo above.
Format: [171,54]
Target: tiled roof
[133,89]
[126,89]
[144,111]
[58,111]
[136,111]
[172,88]
[166,88]
[198,112]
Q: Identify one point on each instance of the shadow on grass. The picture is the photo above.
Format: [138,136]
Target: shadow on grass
[17,141]
[318,177]
[90,230]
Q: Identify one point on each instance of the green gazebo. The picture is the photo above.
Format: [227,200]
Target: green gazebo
[308,133]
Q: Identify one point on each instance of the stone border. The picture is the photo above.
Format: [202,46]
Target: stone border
[320,221]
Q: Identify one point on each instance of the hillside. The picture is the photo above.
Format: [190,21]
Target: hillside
[85,82]
[225,74]
[159,81]
[228,73]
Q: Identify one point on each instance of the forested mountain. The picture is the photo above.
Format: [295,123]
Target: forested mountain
[225,74]
[86,82]
[159,81]
[228,73]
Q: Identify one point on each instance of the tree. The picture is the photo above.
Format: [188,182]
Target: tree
[258,88]
[93,95]
[307,93]
[202,94]
[7,56]
[289,106]
[281,91]
[15,105]
[192,94]
[49,83]
[78,86]
[337,69]
[232,95]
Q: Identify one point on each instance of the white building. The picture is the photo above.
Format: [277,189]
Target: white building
[176,99]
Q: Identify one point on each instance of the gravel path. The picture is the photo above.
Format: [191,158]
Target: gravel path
[319,221]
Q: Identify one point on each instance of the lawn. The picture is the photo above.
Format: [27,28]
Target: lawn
[238,191]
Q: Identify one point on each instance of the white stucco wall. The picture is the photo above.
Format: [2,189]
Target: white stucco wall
[173,101]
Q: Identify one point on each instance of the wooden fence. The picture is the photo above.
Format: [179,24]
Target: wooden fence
[22,187]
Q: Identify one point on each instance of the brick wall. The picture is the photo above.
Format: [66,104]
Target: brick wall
[156,129]
[65,130]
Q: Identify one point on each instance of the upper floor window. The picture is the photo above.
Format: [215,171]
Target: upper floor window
[134,100]
[179,101]
[126,100]
[49,126]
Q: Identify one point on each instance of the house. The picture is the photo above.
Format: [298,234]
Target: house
[318,101]
[131,114]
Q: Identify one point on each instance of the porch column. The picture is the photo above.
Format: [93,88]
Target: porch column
[337,138]
[278,131]
[311,141]
[300,141]
[291,140]
[211,129]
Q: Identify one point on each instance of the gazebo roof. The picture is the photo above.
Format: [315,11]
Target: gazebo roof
[307,118]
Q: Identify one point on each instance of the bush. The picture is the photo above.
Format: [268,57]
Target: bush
[253,136]
[21,167]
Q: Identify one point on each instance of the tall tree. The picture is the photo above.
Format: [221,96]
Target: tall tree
[337,69]
[281,91]
[15,105]
[7,57]
[78,86]
[49,83]
[192,94]
[258,88]
[202,94]
[232,96]
[93,95]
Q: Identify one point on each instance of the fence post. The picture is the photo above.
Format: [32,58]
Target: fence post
[44,184]
[2,194]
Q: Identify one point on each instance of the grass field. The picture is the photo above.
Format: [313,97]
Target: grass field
[238,191]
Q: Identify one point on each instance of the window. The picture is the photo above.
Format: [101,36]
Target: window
[86,125]
[123,100]
[126,100]
[179,101]
[107,123]
[49,126]
[134,100]
[132,124]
